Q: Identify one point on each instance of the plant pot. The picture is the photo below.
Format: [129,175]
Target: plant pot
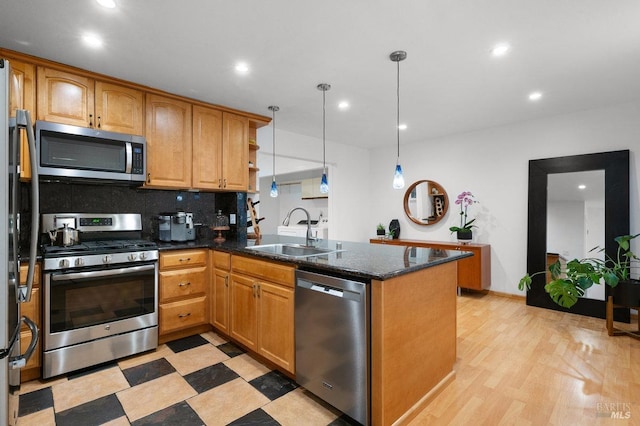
[380,232]
[464,236]
[626,293]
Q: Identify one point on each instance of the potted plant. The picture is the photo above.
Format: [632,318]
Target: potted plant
[380,229]
[464,231]
[570,283]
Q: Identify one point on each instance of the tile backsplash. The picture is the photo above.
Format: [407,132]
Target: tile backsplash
[56,197]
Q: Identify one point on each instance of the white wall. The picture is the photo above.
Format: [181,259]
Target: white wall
[493,165]
[348,179]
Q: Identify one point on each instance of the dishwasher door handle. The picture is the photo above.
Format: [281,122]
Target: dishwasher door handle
[330,291]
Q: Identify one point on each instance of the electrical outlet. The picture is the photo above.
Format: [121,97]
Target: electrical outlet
[232,219]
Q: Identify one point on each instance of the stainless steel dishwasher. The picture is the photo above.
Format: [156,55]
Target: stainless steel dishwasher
[332,341]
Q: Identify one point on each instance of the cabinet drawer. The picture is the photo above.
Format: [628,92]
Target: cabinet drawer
[24,269]
[222,260]
[183,314]
[181,258]
[266,270]
[182,282]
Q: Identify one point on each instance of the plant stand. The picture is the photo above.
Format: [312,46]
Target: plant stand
[611,330]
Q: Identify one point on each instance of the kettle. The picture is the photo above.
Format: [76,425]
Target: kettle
[65,236]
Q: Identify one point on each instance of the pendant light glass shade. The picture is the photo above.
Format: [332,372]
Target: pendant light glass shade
[274,185]
[398,177]
[324,182]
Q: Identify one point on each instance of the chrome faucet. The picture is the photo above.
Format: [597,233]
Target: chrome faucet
[285,222]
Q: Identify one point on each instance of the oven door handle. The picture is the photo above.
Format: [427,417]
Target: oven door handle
[102,273]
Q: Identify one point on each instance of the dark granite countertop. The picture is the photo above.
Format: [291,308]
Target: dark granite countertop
[358,260]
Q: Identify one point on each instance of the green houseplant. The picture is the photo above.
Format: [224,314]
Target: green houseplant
[380,229]
[568,284]
[464,232]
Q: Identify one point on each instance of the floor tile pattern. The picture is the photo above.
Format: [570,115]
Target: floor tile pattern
[198,380]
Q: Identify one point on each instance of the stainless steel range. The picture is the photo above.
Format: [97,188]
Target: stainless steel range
[100,290]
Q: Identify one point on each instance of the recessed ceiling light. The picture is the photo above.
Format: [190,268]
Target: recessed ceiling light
[242,68]
[402,127]
[535,96]
[500,49]
[582,186]
[110,4]
[92,40]
[343,105]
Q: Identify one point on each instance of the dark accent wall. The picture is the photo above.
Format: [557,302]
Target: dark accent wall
[59,197]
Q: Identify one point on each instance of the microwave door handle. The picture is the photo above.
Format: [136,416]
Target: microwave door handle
[23,120]
[129,152]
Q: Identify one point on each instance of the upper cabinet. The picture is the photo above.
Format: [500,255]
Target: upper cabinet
[69,98]
[118,108]
[235,152]
[168,134]
[23,96]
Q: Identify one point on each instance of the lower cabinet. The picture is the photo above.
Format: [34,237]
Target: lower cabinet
[31,310]
[261,303]
[183,289]
[219,294]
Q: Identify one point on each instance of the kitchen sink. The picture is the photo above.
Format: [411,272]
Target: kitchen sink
[291,250]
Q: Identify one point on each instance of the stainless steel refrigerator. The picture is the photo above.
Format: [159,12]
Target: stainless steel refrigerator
[12,293]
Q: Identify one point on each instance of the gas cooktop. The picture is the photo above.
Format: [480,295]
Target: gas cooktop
[100,247]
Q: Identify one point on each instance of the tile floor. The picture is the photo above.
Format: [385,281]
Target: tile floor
[199,380]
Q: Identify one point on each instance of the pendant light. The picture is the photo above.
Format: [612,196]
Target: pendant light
[274,186]
[398,178]
[324,183]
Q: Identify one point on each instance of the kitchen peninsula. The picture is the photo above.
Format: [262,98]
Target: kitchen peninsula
[412,314]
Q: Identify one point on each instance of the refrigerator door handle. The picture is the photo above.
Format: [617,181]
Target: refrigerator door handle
[23,120]
[21,360]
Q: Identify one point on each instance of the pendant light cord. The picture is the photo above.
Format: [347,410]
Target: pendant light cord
[324,153]
[274,143]
[398,108]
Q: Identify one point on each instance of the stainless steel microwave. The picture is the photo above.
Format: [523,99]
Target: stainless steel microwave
[79,153]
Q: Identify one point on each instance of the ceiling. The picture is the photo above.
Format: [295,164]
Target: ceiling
[581,54]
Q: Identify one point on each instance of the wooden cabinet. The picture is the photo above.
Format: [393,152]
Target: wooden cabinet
[168,134]
[235,151]
[474,272]
[253,165]
[68,98]
[220,287]
[32,310]
[183,290]
[311,189]
[22,96]
[262,309]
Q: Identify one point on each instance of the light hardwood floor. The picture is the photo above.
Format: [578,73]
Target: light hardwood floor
[520,365]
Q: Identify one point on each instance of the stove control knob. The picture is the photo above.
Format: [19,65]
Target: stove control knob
[79,262]
[132,257]
[106,259]
[143,256]
[64,263]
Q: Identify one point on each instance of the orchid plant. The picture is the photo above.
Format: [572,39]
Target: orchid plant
[464,200]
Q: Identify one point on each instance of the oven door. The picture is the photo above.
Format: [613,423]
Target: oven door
[80,306]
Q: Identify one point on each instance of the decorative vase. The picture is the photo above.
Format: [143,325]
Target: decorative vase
[394,228]
[464,236]
[626,293]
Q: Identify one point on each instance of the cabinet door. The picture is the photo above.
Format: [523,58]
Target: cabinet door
[207,148]
[168,133]
[243,321]
[275,325]
[23,96]
[65,98]
[118,108]
[220,300]
[235,152]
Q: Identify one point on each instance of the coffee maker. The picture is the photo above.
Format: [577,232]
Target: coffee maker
[176,226]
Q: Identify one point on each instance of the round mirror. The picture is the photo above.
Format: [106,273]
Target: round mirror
[426,202]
